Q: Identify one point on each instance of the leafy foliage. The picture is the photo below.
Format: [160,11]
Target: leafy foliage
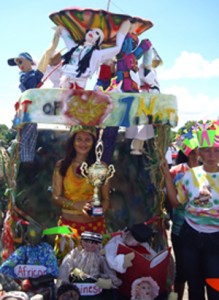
[6,134]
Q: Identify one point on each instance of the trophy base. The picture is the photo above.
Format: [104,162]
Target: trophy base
[97,211]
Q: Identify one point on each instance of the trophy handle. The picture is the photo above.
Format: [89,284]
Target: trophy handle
[84,169]
[110,173]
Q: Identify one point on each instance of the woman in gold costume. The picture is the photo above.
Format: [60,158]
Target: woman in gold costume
[71,191]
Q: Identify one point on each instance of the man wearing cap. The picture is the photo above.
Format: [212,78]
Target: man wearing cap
[136,237]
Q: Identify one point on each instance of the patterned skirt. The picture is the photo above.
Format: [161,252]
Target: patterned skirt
[65,243]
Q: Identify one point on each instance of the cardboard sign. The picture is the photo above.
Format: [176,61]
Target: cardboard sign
[29,271]
[88,289]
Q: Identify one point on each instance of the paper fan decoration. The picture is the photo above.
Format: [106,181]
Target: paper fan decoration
[77,21]
[208,134]
[187,141]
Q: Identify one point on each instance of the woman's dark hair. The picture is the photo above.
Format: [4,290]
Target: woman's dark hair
[181,158]
[85,61]
[71,153]
[67,56]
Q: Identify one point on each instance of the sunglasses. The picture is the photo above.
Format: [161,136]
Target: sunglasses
[19,61]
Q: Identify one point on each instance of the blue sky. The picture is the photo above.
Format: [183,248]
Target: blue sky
[185,34]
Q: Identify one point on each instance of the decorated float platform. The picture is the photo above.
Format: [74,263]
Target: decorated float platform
[137,187]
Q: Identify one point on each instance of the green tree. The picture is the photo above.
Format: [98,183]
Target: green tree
[6,134]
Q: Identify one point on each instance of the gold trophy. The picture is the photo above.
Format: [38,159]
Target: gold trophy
[97,174]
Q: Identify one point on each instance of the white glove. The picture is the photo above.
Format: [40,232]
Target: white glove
[104,283]
[128,260]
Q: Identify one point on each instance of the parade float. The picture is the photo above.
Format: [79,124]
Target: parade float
[135,120]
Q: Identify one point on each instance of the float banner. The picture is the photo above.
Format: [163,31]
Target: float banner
[71,107]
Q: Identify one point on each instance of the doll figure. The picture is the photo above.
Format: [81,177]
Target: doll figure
[106,73]
[34,258]
[83,59]
[34,263]
[136,237]
[144,288]
[29,77]
[87,264]
[128,74]
[127,62]
[148,74]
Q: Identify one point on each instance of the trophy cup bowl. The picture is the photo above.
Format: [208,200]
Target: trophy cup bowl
[97,174]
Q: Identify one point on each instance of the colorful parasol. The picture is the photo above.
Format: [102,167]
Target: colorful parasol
[77,21]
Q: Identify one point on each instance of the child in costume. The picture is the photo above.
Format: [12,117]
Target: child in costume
[85,58]
[144,288]
[198,190]
[188,153]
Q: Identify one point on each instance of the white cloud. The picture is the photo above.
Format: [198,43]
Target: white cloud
[6,116]
[190,65]
[193,107]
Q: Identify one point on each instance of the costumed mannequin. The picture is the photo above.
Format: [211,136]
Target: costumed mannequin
[29,77]
[136,237]
[148,74]
[84,59]
[86,263]
[132,257]
[34,263]
[106,73]
[144,288]
[127,62]
[27,136]
[149,84]
[127,73]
